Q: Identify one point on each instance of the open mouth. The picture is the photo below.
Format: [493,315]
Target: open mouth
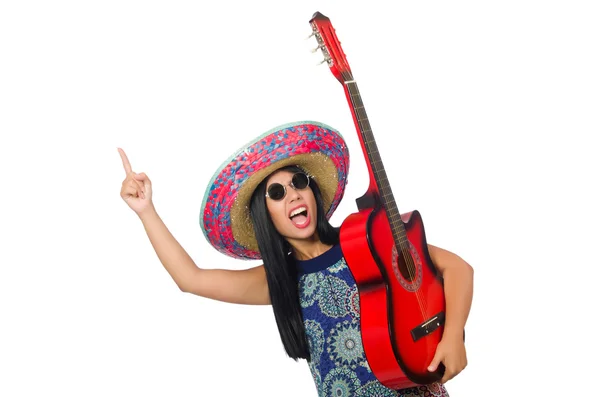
[299,216]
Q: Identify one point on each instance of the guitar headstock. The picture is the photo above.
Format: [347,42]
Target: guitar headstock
[330,47]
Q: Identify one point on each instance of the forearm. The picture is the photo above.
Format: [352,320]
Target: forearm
[171,254]
[458,290]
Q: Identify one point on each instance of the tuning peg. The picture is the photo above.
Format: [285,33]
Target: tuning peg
[322,62]
[311,35]
[316,49]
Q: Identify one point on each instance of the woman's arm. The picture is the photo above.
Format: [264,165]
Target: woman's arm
[458,292]
[235,286]
[458,288]
[247,286]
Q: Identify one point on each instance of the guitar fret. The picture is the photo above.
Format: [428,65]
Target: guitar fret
[381,171]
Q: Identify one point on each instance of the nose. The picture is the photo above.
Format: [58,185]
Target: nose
[293,194]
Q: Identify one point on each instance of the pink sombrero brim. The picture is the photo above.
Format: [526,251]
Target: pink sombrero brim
[317,148]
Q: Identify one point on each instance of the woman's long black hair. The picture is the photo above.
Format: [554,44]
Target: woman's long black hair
[280,267]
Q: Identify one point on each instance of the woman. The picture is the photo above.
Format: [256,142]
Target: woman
[272,201]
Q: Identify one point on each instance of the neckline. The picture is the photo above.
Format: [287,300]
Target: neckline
[321,262]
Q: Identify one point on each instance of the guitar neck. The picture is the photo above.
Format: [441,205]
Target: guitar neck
[379,186]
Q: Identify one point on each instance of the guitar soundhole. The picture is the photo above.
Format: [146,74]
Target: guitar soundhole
[407,267]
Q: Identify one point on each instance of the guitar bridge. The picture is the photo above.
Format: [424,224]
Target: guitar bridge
[428,326]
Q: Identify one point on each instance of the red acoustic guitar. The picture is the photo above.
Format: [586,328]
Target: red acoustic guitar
[401,292]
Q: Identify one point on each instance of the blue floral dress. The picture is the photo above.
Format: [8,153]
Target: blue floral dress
[330,306]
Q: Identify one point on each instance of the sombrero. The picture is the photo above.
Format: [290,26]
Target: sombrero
[315,147]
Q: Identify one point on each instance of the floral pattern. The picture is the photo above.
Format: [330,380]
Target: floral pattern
[316,341]
[341,382]
[332,299]
[308,288]
[345,347]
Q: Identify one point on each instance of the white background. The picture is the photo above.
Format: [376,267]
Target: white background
[484,114]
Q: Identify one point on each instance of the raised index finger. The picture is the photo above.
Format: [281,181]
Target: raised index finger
[126,164]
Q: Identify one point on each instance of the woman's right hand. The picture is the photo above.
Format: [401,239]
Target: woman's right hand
[136,188]
[246,286]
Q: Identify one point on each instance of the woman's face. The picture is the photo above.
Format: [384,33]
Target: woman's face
[294,216]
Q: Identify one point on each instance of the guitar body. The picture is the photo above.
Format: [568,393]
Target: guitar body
[402,302]
[388,305]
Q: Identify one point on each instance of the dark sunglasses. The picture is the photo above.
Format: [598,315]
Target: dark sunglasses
[277,191]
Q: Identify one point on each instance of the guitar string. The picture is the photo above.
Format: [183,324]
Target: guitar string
[408,259]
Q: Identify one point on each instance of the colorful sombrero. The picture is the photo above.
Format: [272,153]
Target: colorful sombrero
[315,147]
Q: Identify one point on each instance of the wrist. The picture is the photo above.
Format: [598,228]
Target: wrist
[147,213]
[453,333]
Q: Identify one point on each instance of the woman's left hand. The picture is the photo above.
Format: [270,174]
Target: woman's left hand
[452,353]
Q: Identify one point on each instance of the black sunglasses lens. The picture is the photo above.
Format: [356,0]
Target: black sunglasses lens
[276,191]
[300,180]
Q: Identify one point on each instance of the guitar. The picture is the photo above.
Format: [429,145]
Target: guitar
[401,292]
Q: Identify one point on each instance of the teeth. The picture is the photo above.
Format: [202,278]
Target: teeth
[297,211]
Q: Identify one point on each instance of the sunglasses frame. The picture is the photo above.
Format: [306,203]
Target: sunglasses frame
[291,184]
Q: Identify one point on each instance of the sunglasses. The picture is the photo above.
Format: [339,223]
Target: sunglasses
[277,191]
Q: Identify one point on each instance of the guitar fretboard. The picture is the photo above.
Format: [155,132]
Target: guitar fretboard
[374,159]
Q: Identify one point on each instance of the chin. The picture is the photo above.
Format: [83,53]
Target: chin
[303,234]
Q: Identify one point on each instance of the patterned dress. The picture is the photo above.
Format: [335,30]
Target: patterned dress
[330,307]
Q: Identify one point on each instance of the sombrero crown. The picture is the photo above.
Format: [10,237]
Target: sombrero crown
[315,147]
